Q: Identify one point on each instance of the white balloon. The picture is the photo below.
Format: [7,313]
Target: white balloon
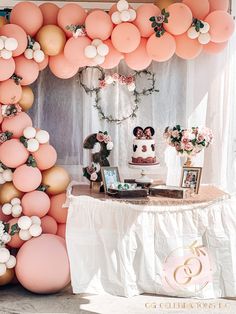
[90,51]
[99,59]
[205,29]
[29,54]
[24,222]
[1,44]
[192,33]
[11,263]
[96,42]
[39,56]
[35,230]
[16,210]
[6,54]
[7,175]
[11,44]
[132,14]
[125,16]
[3,38]
[15,201]
[42,136]
[2,180]
[103,50]
[3,269]
[122,5]
[32,145]
[1,169]
[29,132]
[36,46]
[204,38]
[24,235]
[4,255]
[115,17]
[35,220]
[6,209]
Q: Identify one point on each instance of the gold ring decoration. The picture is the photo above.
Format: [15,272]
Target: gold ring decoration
[188,271]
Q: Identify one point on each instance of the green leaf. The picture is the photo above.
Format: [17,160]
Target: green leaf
[154,24]
[14,229]
[152,19]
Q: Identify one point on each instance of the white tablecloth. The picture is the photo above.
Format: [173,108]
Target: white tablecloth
[126,249]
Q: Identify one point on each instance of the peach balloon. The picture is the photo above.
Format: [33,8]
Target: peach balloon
[15,242]
[27,69]
[17,124]
[125,37]
[49,225]
[221,26]
[15,31]
[113,58]
[187,48]
[27,98]
[43,264]
[61,67]
[199,9]
[13,153]
[98,24]
[56,210]
[138,59]
[7,277]
[45,156]
[57,178]
[222,5]
[3,21]
[113,9]
[10,92]
[52,39]
[180,19]
[7,68]
[71,14]
[49,11]
[161,49]
[42,65]
[144,12]
[74,51]
[215,48]
[26,178]
[61,230]
[28,16]
[8,192]
[36,203]
[163,4]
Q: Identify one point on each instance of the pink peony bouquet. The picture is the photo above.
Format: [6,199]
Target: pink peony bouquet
[188,142]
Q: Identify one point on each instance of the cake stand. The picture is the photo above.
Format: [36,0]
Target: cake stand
[145,169]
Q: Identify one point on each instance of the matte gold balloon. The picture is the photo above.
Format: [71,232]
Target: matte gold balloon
[163,4]
[27,98]
[7,277]
[52,39]
[57,178]
[8,192]
[3,21]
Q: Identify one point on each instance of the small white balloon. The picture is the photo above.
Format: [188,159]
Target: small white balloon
[115,17]
[11,263]
[16,210]
[1,44]
[2,180]
[3,269]
[7,175]
[3,38]
[36,46]
[35,220]
[192,33]
[29,132]
[24,222]
[32,145]
[204,38]
[6,209]
[11,44]
[1,169]
[99,59]
[15,201]
[6,54]
[96,42]
[42,136]
[90,51]
[103,50]
[122,5]
[24,235]
[29,54]
[205,29]
[4,255]
[132,14]
[125,16]
[39,56]
[35,230]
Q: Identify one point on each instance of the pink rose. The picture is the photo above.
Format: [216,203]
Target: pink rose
[115,76]
[185,140]
[102,83]
[107,139]
[93,176]
[100,137]
[200,138]
[188,147]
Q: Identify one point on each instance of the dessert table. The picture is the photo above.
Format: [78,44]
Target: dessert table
[127,247]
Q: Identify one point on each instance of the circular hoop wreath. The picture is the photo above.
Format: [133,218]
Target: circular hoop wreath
[95,91]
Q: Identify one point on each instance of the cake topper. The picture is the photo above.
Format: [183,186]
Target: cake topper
[147,133]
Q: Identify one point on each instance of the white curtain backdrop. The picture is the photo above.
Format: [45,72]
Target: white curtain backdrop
[193,93]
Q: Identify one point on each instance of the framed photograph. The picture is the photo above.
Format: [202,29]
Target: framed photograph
[110,175]
[191,177]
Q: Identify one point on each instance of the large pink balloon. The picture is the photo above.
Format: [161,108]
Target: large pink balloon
[61,67]
[214,47]
[10,92]
[187,48]
[42,65]
[45,156]
[139,58]
[125,37]
[56,210]
[74,51]
[113,58]
[200,9]
[144,12]
[49,225]
[71,14]
[222,5]
[43,264]
[27,179]
[180,19]
[27,69]
[28,16]
[17,124]
[98,24]
[161,49]
[36,203]
[221,26]
[15,31]
[61,230]
[13,153]
[7,68]
[49,11]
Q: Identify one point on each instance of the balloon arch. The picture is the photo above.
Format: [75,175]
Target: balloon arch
[32,190]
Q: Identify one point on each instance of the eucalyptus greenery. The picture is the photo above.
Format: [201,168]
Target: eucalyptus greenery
[198,24]
[17,79]
[158,22]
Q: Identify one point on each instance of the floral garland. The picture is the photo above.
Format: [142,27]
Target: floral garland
[158,23]
[77,30]
[117,78]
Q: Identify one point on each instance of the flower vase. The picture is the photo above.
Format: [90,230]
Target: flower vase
[95,186]
[188,162]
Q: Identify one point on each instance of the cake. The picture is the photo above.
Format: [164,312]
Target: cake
[144,146]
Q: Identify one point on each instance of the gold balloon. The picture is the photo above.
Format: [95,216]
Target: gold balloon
[7,277]
[52,39]
[3,21]
[57,178]
[8,192]
[163,4]
[27,98]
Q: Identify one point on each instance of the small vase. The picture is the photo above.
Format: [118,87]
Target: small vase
[188,162]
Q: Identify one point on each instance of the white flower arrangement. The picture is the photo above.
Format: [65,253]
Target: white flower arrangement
[124,13]
[29,227]
[13,208]
[7,46]
[33,51]
[32,138]
[7,261]
[96,51]
[200,30]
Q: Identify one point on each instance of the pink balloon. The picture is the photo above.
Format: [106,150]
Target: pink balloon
[61,67]
[15,31]
[45,156]
[7,68]
[17,124]
[215,48]
[98,24]
[187,48]
[49,11]
[71,14]
[161,49]
[56,210]
[42,65]
[74,51]
[15,242]
[222,5]
[43,264]
[61,230]
[36,203]
[27,179]
[221,26]
[125,37]
[27,69]
[49,225]
[138,59]
[113,58]
[28,16]
[3,217]
[180,19]
[10,92]
[144,12]
[13,153]
[200,9]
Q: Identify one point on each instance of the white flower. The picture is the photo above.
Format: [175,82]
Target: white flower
[131,87]
[109,79]
[94,176]
[96,166]
[110,145]
[96,148]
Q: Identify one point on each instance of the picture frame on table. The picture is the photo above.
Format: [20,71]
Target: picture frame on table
[110,175]
[191,178]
